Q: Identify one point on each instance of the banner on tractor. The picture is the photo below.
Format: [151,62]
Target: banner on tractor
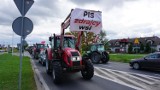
[86,20]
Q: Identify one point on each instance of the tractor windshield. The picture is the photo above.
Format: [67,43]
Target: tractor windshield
[69,42]
[40,45]
[100,47]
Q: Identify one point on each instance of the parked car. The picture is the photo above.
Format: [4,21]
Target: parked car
[151,61]
[42,56]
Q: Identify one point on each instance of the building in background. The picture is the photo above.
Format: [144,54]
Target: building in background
[122,45]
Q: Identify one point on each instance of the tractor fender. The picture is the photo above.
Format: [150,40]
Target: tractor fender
[49,53]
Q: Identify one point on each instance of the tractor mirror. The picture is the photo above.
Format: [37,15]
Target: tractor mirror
[50,38]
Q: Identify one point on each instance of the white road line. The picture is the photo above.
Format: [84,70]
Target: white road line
[153,78]
[108,75]
[132,76]
[125,79]
[119,82]
[157,75]
[140,79]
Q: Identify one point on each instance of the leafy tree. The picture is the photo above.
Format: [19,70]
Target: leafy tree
[25,44]
[103,39]
[88,38]
[141,47]
[130,48]
[148,48]
[68,33]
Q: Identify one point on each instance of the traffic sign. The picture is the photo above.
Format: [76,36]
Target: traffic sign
[27,26]
[136,41]
[27,5]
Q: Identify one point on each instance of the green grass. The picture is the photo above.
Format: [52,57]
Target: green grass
[125,57]
[9,71]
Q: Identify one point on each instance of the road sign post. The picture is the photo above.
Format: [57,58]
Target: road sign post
[136,41]
[22,26]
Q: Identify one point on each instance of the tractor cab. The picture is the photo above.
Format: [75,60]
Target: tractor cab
[37,48]
[97,47]
[68,41]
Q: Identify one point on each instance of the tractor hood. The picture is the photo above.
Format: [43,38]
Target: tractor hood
[72,57]
[71,52]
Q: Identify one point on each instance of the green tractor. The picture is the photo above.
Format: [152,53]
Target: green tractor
[97,53]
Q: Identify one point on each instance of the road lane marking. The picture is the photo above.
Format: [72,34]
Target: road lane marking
[119,82]
[119,78]
[142,75]
[129,79]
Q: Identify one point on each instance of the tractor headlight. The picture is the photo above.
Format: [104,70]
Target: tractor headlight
[76,58]
[73,58]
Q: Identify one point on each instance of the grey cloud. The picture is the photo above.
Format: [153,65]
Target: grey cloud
[40,10]
[83,2]
[44,10]
[111,32]
[108,4]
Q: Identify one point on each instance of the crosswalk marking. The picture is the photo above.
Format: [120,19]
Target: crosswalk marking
[135,81]
[119,82]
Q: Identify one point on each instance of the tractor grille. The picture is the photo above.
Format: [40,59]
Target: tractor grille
[77,63]
[74,53]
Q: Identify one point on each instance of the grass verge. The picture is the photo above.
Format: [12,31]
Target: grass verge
[9,71]
[125,57]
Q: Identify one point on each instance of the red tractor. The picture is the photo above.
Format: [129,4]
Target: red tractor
[64,56]
[36,50]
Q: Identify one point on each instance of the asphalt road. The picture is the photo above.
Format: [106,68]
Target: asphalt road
[76,82]
[111,76]
[126,68]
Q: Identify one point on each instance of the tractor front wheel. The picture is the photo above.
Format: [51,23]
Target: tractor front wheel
[57,72]
[88,71]
[48,70]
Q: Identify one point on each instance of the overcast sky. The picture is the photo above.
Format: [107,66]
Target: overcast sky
[121,18]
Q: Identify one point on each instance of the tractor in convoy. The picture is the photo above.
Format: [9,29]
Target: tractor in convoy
[64,55]
[36,50]
[97,52]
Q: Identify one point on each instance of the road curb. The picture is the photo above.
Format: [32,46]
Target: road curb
[41,84]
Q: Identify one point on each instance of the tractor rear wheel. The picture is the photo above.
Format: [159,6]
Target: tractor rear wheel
[57,72]
[88,71]
[105,57]
[95,57]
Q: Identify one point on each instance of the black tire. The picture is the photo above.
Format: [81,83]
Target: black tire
[95,57]
[39,61]
[57,72]
[105,57]
[36,56]
[88,71]
[43,63]
[136,66]
[48,66]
